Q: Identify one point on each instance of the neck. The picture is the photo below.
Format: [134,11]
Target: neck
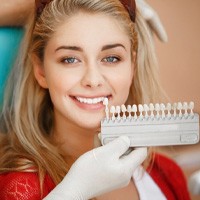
[73,141]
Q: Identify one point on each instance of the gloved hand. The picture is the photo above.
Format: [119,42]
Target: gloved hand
[100,170]
[153,19]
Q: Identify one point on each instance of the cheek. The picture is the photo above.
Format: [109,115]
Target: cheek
[124,77]
[61,83]
[121,82]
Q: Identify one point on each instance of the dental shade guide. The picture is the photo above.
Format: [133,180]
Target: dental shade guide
[151,125]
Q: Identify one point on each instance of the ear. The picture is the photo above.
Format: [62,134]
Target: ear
[134,62]
[39,71]
[134,55]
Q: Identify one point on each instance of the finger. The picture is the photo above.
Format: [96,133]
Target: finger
[118,146]
[158,28]
[135,158]
[146,11]
[151,16]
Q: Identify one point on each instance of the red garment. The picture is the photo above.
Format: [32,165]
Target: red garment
[170,178]
[25,185]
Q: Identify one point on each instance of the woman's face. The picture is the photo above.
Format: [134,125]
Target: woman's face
[87,59]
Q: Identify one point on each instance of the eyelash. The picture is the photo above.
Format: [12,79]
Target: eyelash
[117,59]
[68,60]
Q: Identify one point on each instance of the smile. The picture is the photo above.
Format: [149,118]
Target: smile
[90,100]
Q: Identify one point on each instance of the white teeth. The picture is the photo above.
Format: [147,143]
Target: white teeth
[90,100]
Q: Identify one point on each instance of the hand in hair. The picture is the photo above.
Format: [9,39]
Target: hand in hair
[153,19]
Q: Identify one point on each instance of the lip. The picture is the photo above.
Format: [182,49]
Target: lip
[90,107]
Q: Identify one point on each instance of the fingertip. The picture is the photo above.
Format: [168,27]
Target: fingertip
[164,38]
[118,146]
[142,152]
[126,140]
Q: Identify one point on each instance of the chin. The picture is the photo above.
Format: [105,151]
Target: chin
[91,125]
[90,121]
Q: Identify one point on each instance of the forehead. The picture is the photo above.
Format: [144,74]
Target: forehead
[90,28]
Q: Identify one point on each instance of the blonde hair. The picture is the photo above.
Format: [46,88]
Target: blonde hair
[27,116]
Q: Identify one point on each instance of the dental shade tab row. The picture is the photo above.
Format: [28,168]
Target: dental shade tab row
[151,125]
[149,111]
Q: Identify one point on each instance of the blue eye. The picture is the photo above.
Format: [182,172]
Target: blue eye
[111,59]
[69,60]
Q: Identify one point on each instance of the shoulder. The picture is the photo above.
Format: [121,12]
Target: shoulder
[169,177]
[15,185]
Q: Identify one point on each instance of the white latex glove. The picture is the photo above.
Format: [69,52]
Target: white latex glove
[194,183]
[153,19]
[99,171]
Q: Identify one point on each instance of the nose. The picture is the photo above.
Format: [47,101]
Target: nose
[92,77]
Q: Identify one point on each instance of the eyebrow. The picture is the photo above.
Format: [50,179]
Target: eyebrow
[112,46]
[74,48]
[104,48]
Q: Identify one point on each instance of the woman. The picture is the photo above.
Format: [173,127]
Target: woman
[76,53]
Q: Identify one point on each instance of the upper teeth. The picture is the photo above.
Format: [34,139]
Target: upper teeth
[90,100]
